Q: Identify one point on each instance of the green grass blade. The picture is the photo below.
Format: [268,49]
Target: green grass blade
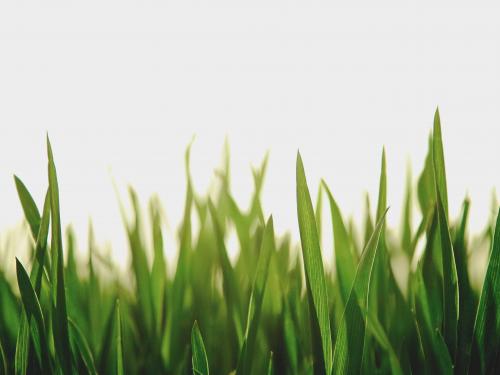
[344,259]
[83,347]
[23,341]
[230,286]
[60,316]
[382,190]
[3,361]
[30,209]
[486,342]
[270,365]
[246,359]
[406,227]
[438,160]
[33,309]
[467,298]
[315,276]
[199,357]
[119,343]
[348,352]
[450,284]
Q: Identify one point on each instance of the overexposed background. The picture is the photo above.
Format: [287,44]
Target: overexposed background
[122,86]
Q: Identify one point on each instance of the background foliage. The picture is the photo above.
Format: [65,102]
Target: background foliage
[276,308]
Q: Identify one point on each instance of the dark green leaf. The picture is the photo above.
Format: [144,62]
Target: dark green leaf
[199,357]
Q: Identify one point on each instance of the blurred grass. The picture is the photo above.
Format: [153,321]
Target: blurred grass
[404,301]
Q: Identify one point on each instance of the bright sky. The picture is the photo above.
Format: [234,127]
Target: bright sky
[123,87]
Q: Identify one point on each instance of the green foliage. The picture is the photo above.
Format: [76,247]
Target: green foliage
[276,307]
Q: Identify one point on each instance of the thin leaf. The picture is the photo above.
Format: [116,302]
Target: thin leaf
[246,359]
[30,209]
[83,347]
[119,343]
[315,276]
[32,309]
[348,352]
[199,357]
[60,316]
[486,342]
[344,259]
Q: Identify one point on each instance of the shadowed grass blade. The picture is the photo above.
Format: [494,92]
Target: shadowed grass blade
[3,361]
[348,353]
[486,343]
[22,342]
[80,342]
[315,276]
[32,309]
[255,306]
[199,357]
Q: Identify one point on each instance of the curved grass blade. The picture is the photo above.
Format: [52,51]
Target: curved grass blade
[32,309]
[60,316]
[486,342]
[23,341]
[315,276]
[199,357]
[348,352]
[83,347]
[344,260]
[255,306]
[30,209]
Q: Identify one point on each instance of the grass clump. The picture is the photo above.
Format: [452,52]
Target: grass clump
[276,309]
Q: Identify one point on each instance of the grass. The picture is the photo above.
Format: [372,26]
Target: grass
[277,308]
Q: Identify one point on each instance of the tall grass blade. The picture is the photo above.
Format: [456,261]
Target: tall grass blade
[60,317]
[246,359]
[348,352]
[344,259]
[315,276]
[486,343]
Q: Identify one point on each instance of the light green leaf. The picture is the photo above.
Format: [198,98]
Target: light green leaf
[315,276]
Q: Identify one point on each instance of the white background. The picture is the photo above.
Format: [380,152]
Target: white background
[121,87]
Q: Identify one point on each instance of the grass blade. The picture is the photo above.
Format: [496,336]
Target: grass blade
[438,160]
[486,341]
[32,309]
[60,316]
[30,209]
[23,341]
[199,357]
[83,347]
[255,306]
[344,259]
[348,352]
[315,276]
[119,343]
